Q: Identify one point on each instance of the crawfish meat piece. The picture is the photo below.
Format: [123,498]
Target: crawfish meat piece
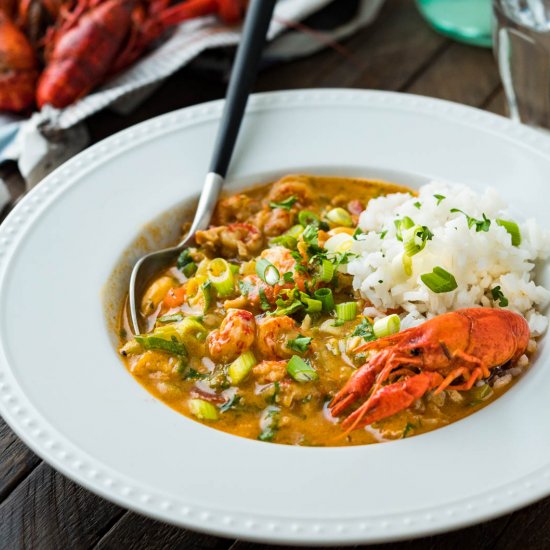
[236,240]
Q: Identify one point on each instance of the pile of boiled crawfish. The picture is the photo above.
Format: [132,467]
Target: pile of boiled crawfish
[56,51]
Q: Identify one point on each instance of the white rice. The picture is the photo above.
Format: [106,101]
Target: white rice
[478,260]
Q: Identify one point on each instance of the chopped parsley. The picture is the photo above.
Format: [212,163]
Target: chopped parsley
[286,204]
[407,429]
[245,287]
[480,225]
[186,264]
[300,344]
[439,198]
[270,423]
[264,303]
[365,330]
[418,205]
[498,295]
[288,277]
[358,232]
[232,403]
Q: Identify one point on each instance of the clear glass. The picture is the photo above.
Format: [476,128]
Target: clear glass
[463,20]
[522,50]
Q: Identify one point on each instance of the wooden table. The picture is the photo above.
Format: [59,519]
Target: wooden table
[39,508]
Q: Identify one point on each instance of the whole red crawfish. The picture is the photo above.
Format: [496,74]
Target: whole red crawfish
[18,67]
[93,39]
[464,344]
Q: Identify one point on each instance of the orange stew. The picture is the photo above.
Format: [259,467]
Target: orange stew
[252,332]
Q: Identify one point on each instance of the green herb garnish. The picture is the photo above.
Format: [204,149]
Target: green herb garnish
[480,225]
[300,344]
[439,280]
[365,330]
[285,204]
[498,295]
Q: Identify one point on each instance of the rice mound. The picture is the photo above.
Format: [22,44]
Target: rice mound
[479,260]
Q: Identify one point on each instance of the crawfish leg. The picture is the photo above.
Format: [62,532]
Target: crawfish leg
[391,399]
[475,375]
[474,361]
[359,384]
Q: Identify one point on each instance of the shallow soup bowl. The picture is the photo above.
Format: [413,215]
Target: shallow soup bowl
[65,255]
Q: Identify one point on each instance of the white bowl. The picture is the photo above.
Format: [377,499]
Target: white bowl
[69,397]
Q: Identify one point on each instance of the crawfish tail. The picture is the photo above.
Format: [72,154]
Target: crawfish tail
[18,68]
[83,53]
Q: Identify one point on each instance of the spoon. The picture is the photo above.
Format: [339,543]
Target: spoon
[243,74]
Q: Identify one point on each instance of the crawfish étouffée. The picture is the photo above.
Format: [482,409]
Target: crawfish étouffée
[253,331]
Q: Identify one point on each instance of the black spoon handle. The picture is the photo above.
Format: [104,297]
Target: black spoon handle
[243,75]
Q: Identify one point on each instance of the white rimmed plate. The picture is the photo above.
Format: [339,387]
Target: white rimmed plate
[65,392]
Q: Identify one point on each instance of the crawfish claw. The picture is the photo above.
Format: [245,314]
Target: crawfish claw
[391,399]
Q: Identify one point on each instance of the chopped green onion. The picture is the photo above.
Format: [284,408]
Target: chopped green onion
[513,229]
[295,231]
[287,309]
[188,327]
[401,225]
[479,393]
[285,240]
[418,205]
[386,326]
[267,272]
[339,216]
[171,346]
[306,217]
[202,409]
[326,298]
[206,294]
[301,370]
[439,198]
[346,311]
[312,305]
[131,347]
[439,280]
[326,272]
[286,204]
[220,275]
[239,369]
[407,264]
[414,239]
[174,318]
[300,344]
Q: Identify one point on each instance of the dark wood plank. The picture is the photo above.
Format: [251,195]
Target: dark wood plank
[527,528]
[462,73]
[388,54]
[16,460]
[48,511]
[139,532]
[496,103]
[384,55]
